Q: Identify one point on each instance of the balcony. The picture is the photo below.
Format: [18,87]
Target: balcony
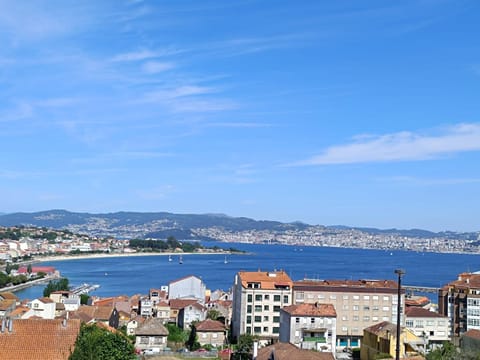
[318,339]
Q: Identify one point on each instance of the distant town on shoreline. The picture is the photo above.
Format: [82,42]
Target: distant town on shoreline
[218,227]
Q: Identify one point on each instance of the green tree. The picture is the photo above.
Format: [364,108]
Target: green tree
[173,243]
[4,279]
[95,343]
[84,299]
[213,314]
[192,342]
[447,351]
[56,285]
[244,347]
[176,336]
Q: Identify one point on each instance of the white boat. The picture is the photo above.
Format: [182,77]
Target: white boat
[225,261]
[180,260]
[170,258]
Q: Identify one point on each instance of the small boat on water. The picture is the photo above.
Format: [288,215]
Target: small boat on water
[170,258]
[225,261]
[180,260]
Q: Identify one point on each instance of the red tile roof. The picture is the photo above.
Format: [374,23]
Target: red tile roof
[181,303]
[473,333]
[315,310]
[421,313]
[39,339]
[287,351]
[267,280]
[210,325]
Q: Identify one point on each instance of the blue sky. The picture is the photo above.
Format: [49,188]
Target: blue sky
[362,113]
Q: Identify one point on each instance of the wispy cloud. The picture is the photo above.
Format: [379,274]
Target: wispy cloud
[157,193]
[154,67]
[428,181]
[144,54]
[402,146]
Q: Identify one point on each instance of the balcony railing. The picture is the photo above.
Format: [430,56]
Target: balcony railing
[315,339]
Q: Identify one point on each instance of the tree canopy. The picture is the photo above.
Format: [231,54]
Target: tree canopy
[94,343]
[56,285]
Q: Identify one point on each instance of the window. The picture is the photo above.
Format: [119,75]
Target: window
[249,330]
[312,320]
[297,320]
[258,308]
[258,319]
[276,308]
[375,308]
[267,297]
[249,319]
[276,330]
[249,298]
[258,297]
[419,324]
[276,297]
[257,329]
[144,340]
[276,319]
[253,285]
[375,297]
[355,307]
[356,297]
[299,296]
[345,318]
[265,329]
[430,322]
[204,336]
[366,318]
[386,298]
[285,299]
[214,335]
[333,297]
[409,323]
[345,297]
[374,318]
[266,307]
[249,309]
[344,328]
[366,308]
[265,318]
[345,307]
[355,318]
[321,296]
[385,308]
[441,323]
[366,297]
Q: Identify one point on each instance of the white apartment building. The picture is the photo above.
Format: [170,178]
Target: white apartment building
[257,299]
[358,304]
[309,326]
[431,327]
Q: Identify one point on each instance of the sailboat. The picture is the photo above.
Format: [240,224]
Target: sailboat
[170,258]
[180,260]
[225,261]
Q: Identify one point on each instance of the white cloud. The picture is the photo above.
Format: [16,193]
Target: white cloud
[153,67]
[402,146]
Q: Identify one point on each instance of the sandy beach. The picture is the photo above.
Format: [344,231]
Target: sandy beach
[108,255]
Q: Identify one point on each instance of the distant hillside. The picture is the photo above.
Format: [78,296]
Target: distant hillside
[183,226]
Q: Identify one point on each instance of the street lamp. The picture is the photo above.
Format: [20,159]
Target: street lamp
[399,272]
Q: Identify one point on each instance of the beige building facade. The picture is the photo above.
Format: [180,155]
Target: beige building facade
[358,304]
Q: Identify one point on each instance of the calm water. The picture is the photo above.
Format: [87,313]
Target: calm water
[133,275]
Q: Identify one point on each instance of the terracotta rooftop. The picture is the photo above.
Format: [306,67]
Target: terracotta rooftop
[152,326]
[417,301]
[268,280]
[210,325]
[97,312]
[381,329]
[181,303]
[472,333]
[38,339]
[466,280]
[19,312]
[7,304]
[287,351]
[8,296]
[324,310]
[421,312]
[371,284]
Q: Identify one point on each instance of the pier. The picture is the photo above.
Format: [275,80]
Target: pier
[421,289]
[84,289]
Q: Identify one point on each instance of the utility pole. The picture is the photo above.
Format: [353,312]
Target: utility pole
[400,273]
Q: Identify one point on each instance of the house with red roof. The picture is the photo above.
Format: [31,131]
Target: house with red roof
[211,332]
[309,326]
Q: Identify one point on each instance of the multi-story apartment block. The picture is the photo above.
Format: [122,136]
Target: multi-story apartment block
[459,300]
[429,326]
[309,326]
[358,304]
[257,299]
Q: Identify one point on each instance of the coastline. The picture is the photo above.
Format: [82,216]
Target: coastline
[111,255]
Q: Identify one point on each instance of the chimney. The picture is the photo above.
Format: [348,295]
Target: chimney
[3,325]
[10,325]
[255,350]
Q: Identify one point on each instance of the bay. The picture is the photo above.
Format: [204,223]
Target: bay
[136,275]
